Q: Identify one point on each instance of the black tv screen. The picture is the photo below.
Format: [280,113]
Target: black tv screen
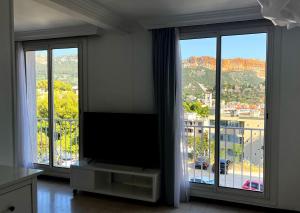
[118,138]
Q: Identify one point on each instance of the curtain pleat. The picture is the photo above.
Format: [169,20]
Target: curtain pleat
[167,82]
[24,137]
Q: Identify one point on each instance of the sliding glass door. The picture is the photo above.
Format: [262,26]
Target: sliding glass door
[199,95]
[66,106]
[242,120]
[54,74]
[224,93]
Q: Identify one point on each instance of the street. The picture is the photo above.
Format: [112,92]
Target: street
[232,180]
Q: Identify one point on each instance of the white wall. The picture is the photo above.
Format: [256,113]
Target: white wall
[120,80]
[120,73]
[289,145]
[6,94]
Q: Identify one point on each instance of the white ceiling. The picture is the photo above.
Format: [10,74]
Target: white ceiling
[141,9]
[30,15]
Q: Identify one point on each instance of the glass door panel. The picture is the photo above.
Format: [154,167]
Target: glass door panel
[66,106]
[242,108]
[38,96]
[199,84]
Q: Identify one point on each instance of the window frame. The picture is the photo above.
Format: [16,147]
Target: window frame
[231,194]
[49,46]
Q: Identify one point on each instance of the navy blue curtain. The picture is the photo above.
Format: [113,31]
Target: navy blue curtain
[164,72]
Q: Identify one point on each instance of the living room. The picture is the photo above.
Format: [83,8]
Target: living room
[139,106]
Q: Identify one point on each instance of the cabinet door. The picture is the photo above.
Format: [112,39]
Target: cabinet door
[17,201]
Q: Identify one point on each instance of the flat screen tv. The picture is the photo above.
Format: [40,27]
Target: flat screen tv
[119,138]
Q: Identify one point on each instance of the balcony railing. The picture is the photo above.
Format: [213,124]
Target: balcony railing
[65,145]
[241,155]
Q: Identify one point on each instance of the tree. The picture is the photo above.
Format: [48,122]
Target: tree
[42,146]
[66,129]
[197,107]
[65,100]
[186,107]
[201,145]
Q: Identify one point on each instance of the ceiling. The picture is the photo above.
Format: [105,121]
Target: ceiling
[32,15]
[141,9]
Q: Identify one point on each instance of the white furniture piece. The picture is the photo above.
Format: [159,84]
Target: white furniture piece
[115,180]
[18,193]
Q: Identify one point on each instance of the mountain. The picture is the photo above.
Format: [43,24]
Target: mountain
[65,68]
[239,76]
[228,65]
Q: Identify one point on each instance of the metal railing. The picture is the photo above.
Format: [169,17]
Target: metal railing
[65,142]
[241,155]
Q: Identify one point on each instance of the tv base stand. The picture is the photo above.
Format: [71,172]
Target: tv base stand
[115,180]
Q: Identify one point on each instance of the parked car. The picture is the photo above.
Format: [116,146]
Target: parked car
[201,163]
[253,185]
[224,165]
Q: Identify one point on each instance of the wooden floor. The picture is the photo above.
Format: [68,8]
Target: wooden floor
[57,197]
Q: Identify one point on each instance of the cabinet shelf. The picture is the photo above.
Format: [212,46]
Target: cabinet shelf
[127,182]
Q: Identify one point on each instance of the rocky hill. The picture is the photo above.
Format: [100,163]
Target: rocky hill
[239,76]
[228,65]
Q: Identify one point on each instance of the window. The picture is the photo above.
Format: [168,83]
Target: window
[224,87]
[198,99]
[55,73]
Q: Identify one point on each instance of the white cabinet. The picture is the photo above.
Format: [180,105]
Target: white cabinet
[18,200]
[114,180]
[83,179]
[18,190]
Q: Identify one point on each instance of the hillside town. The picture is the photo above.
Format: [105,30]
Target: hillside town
[242,111]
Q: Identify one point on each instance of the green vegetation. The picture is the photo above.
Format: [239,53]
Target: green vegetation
[201,146]
[66,120]
[65,95]
[65,100]
[200,80]
[197,107]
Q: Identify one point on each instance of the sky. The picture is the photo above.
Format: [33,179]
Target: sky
[59,52]
[62,52]
[242,46]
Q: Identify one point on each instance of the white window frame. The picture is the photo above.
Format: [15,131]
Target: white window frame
[49,45]
[268,197]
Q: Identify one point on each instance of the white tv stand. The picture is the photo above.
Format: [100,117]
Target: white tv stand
[115,180]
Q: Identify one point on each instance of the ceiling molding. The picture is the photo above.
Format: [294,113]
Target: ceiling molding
[91,12]
[84,30]
[222,16]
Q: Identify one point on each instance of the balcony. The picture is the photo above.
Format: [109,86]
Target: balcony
[241,155]
[65,145]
